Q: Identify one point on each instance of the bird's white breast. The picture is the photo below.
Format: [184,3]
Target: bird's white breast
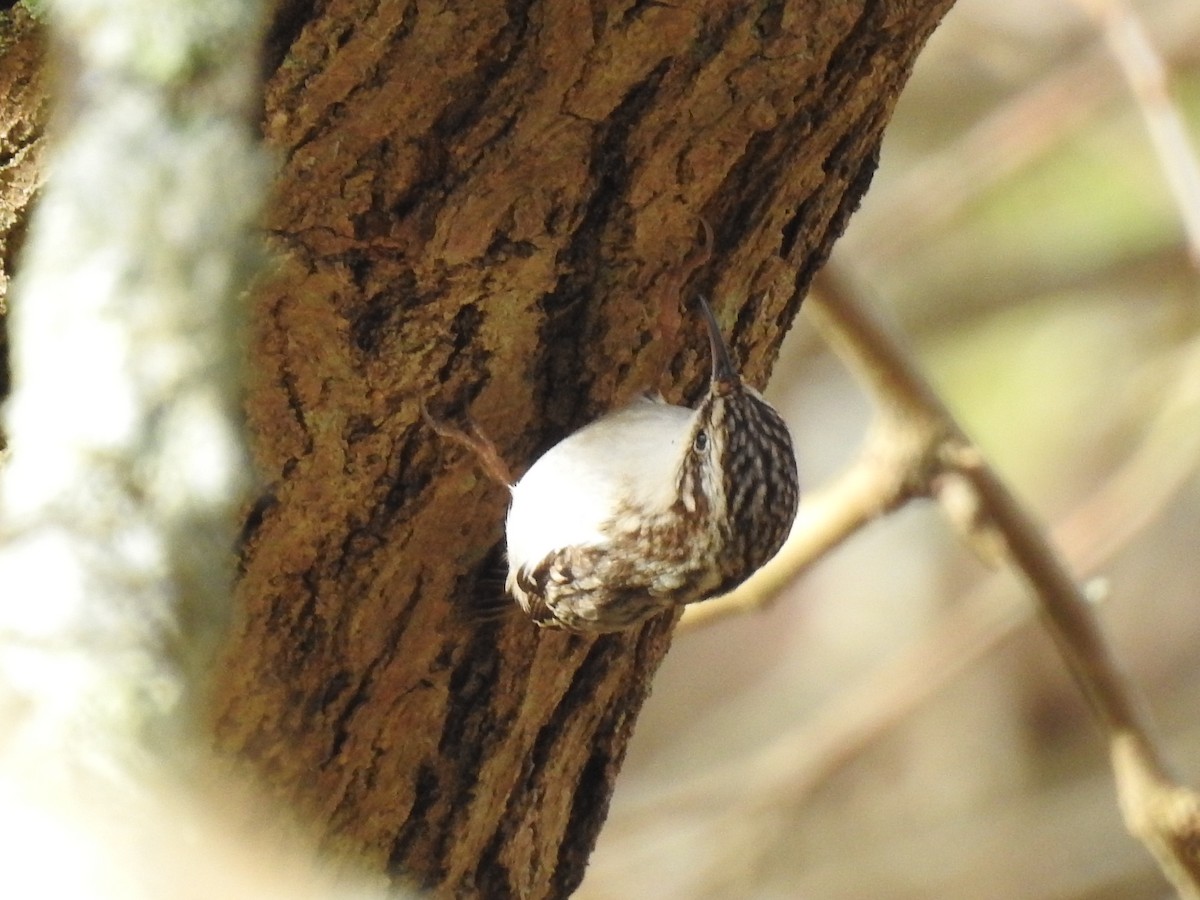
[571,492]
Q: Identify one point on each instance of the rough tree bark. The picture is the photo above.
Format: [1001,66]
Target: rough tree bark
[483,206]
[22,113]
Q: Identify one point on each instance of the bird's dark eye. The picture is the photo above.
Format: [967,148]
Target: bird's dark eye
[700,444]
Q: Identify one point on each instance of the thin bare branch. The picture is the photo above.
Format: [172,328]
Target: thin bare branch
[808,755]
[1161,813]
[943,183]
[1165,816]
[1143,68]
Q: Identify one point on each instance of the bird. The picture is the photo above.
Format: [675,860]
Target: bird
[652,506]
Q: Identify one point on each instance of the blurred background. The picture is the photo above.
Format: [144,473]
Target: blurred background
[898,725]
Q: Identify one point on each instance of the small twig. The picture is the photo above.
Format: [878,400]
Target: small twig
[1143,68]
[944,182]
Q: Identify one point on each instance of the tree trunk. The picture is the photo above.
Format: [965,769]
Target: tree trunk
[484,207]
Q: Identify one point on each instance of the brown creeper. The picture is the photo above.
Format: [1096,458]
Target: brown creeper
[653,506]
